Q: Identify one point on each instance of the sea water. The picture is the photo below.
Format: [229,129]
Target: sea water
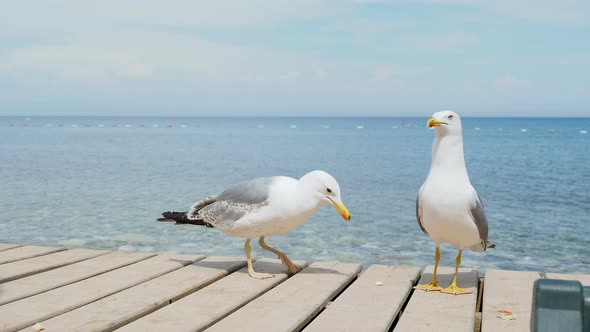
[100,182]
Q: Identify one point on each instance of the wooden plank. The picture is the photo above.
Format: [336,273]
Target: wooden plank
[23,268]
[121,308]
[214,302]
[19,253]
[371,303]
[583,278]
[26,312]
[510,291]
[6,246]
[292,304]
[42,282]
[436,311]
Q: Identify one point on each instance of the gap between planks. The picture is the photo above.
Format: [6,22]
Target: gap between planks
[26,312]
[436,311]
[119,309]
[215,302]
[26,267]
[306,293]
[46,281]
[20,253]
[371,303]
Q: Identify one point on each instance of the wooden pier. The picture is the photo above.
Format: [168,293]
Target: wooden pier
[96,290]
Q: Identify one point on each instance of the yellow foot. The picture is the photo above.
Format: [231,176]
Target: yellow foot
[431,287]
[453,289]
[257,275]
[291,267]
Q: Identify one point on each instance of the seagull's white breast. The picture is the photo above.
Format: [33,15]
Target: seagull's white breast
[446,212]
[287,209]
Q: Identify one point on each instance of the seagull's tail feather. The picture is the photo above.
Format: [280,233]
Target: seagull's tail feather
[482,246]
[181,218]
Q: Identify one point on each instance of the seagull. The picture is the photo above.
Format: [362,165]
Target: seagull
[448,208]
[264,207]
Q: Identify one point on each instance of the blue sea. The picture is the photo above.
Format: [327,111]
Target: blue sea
[99,182]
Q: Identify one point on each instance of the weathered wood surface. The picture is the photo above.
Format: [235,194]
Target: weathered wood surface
[507,291]
[26,267]
[42,282]
[215,301]
[6,246]
[371,303]
[436,311]
[87,290]
[26,312]
[293,303]
[583,278]
[126,306]
[19,253]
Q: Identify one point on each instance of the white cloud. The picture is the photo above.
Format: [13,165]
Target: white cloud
[91,63]
[160,57]
[447,41]
[483,61]
[385,73]
[140,55]
[510,82]
[291,75]
[84,15]
[99,42]
[573,59]
[157,52]
[320,74]
[547,11]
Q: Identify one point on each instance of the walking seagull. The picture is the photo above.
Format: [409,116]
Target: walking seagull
[448,208]
[264,207]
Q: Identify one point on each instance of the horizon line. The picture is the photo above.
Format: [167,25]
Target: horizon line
[298,116]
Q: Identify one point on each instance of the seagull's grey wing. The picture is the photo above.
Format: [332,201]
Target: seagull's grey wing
[478,216]
[249,192]
[236,202]
[419,212]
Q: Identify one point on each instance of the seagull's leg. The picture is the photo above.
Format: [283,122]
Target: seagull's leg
[251,271]
[433,285]
[453,289]
[291,267]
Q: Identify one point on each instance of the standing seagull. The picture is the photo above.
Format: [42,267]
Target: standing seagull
[448,208]
[264,207]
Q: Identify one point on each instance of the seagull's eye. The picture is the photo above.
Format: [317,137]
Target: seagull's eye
[450,117]
[329,190]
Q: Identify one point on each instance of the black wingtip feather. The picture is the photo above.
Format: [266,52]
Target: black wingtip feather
[181,218]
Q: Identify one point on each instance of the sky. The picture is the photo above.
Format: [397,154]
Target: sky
[295,58]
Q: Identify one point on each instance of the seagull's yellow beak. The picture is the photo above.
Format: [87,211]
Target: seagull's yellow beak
[341,209]
[432,122]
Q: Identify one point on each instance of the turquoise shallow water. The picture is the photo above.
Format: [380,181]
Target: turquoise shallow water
[101,182]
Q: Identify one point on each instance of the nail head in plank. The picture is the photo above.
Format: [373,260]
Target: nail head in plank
[436,311]
[371,303]
[42,282]
[293,303]
[510,291]
[214,302]
[19,253]
[26,312]
[7,246]
[23,268]
[583,278]
[126,306]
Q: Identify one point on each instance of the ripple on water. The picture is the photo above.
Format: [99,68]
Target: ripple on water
[104,188]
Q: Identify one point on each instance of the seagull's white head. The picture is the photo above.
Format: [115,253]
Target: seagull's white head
[445,123]
[326,190]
